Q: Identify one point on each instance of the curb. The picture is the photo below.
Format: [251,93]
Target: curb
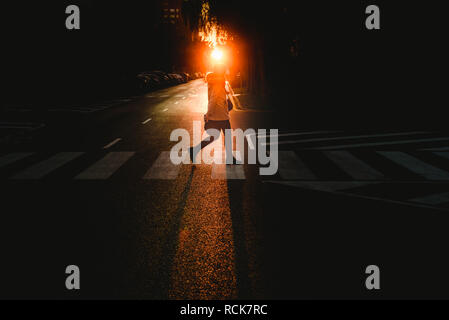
[238,106]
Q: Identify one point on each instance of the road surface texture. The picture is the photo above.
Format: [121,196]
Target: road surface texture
[92,186]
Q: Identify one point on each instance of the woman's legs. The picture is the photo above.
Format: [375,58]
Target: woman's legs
[221,126]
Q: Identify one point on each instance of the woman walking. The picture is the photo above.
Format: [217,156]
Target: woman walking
[217,116]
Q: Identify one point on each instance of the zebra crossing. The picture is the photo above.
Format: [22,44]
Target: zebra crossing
[43,168]
[105,168]
[368,175]
[163,168]
[339,165]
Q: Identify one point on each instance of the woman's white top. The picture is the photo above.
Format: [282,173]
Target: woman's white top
[217,108]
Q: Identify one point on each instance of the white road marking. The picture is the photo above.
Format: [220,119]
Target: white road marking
[374,144]
[434,199]
[112,143]
[292,168]
[344,138]
[106,167]
[43,168]
[13,157]
[415,165]
[354,167]
[165,110]
[146,121]
[177,102]
[163,168]
[227,172]
[296,134]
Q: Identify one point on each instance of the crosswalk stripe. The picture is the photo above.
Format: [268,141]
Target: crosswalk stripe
[291,167]
[385,135]
[43,168]
[354,167]
[415,165]
[227,172]
[295,134]
[434,199]
[163,168]
[13,157]
[217,157]
[376,144]
[105,168]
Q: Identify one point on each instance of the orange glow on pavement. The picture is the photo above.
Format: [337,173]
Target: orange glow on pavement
[204,264]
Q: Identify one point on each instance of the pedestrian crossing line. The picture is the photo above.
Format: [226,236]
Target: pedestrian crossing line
[13,157]
[293,168]
[377,144]
[106,167]
[163,168]
[295,134]
[354,167]
[415,165]
[227,172]
[434,199]
[217,157]
[43,168]
[385,135]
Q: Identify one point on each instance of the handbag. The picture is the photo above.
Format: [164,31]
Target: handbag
[230,104]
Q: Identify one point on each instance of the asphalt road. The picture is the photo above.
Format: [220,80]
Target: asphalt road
[91,188]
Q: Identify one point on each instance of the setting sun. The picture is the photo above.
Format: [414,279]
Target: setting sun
[217,54]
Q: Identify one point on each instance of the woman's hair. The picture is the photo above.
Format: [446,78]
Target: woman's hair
[219,69]
[217,75]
